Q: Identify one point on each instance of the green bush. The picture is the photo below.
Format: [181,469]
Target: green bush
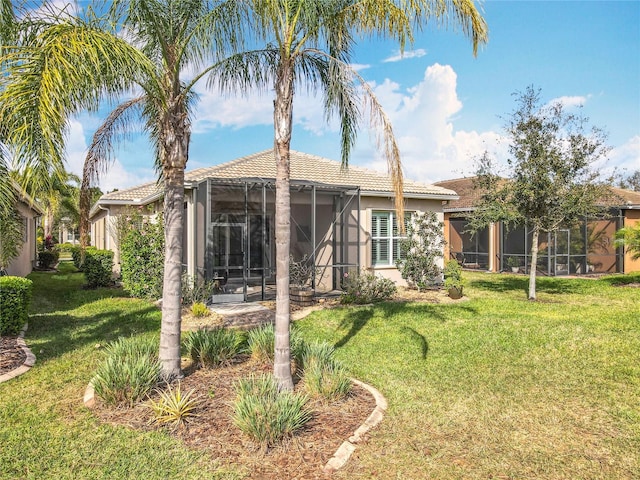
[130,371]
[98,268]
[366,288]
[76,255]
[266,415]
[66,247]
[199,309]
[211,348]
[15,296]
[48,258]
[324,377]
[142,261]
[261,343]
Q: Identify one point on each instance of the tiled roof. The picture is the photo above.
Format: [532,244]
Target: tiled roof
[304,167]
[470,196]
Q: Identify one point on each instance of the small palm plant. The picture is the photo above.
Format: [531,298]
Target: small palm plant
[174,407]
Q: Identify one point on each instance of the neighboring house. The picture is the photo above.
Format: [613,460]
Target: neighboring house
[68,232]
[23,264]
[586,248]
[341,219]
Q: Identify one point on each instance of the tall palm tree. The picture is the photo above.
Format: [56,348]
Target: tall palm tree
[309,44]
[64,64]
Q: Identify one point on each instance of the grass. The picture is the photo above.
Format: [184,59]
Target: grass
[45,431]
[492,387]
[497,386]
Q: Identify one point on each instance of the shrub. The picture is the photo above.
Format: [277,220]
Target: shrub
[66,247]
[98,268]
[174,407]
[211,348]
[420,251]
[142,261]
[453,275]
[323,376]
[48,258]
[199,309]
[261,343]
[15,296]
[366,288]
[266,415]
[76,255]
[130,371]
[197,290]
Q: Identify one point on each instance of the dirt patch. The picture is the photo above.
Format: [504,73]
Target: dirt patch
[12,355]
[300,457]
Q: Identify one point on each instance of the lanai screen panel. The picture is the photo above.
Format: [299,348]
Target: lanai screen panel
[470,250]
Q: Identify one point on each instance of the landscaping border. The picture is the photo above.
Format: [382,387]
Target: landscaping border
[29,361]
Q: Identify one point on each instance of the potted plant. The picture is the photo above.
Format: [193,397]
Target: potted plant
[453,281]
[301,274]
[514,263]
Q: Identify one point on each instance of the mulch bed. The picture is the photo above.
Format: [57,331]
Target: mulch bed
[300,457]
[11,354]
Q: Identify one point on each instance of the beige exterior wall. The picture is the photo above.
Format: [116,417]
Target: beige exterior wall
[631,218]
[103,235]
[370,204]
[23,264]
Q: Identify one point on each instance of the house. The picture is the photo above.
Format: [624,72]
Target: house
[341,219]
[30,213]
[586,248]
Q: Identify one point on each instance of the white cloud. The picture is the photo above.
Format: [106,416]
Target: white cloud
[625,158]
[358,67]
[422,115]
[399,56]
[118,176]
[569,101]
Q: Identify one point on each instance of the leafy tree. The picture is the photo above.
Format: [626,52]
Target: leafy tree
[72,63]
[551,181]
[629,237]
[421,250]
[309,45]
[630,182]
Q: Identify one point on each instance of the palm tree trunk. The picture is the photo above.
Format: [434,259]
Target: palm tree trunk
[534,263]
[282,126]
[175,151]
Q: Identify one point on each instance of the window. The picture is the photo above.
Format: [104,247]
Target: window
[385,238]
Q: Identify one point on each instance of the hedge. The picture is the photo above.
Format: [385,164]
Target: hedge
[76,255]
[15,296]
[48,258]
[98,268]
[142,261]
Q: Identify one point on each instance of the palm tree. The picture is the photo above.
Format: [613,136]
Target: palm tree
[65,64]
[310,45]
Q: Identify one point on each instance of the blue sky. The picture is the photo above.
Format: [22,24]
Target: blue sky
[447,107]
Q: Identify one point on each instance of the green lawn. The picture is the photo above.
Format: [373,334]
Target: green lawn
[493,387]
[500,387]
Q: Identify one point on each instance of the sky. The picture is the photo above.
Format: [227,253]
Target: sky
[447,107]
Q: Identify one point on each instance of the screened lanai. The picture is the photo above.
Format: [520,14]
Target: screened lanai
[236,241]
[583,248]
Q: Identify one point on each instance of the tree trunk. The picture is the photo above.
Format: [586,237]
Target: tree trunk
[283,108]
[534,263]
[85,205]
[175,148]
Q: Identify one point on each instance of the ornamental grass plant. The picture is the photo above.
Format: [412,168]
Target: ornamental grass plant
[213,347]
[266,415]
[129,372]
